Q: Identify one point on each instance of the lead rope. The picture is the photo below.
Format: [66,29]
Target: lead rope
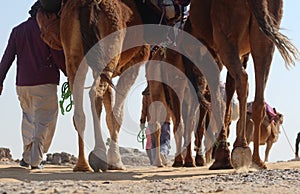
[287,139]
[65,94]
[141,137]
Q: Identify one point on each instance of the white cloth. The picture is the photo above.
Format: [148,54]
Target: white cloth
[40,109]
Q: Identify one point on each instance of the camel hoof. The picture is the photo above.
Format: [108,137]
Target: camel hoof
[177,164]
[222,157]
[178,161]
[189,164]
[217,165]
[258,164]
[116,167]
[241,157]
[158,163]
[82,168]
[199,160]
[98,162]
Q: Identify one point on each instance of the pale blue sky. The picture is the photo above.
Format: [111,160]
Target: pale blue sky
[281,92]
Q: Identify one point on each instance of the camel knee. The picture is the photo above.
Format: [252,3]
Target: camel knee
[79,123]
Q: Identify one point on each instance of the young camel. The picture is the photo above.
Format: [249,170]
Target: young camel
[270,129]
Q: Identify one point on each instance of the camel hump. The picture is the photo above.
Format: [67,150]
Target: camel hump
[126,12]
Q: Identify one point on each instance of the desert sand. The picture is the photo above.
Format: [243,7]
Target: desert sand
[281,177]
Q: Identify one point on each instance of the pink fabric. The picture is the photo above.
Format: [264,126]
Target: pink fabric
[270,111]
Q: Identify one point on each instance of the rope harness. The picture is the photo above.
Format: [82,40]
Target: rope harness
[142,136]
[65,94]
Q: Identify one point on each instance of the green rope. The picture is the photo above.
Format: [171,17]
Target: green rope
[65,94]
[141,137]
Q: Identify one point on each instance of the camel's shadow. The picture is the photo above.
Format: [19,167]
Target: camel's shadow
[57,173]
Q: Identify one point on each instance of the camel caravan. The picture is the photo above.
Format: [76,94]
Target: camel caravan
[96,34]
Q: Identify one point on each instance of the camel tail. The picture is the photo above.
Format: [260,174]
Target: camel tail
[267,24]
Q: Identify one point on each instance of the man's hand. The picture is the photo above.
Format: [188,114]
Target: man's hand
[1,88]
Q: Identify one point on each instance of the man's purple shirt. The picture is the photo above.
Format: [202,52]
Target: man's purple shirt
[33,64]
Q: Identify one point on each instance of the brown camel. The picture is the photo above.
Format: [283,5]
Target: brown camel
[270,129]
[231,29]
[168,84]
[83,23]
[209,132]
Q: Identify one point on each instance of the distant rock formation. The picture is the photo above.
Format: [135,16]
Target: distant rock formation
[61,158]
[134,157]
[5,155]
[130,157]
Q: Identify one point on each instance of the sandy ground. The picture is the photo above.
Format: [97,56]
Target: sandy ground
[282,177]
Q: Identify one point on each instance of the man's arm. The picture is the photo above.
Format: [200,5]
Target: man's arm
[7,58]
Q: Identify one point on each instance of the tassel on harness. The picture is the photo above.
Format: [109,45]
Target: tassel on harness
[65,94]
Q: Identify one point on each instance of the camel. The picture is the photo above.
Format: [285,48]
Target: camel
[209,133]
[231,29]
[167,83]
[270,129]
[83,23]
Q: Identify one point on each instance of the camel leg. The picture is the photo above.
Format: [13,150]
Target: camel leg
[191,125]
[257,117]
[79,117]
[158,113]
[97,157]
[262,59]
[178,130]
[157,132]
[178,133]
[230,89]
[222,158]
[177,80]
[158,107]
[208,155]
[115,115]
[76,71]
[199,159]
[249,128]
[268,148]
[242,91]
[209,143]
